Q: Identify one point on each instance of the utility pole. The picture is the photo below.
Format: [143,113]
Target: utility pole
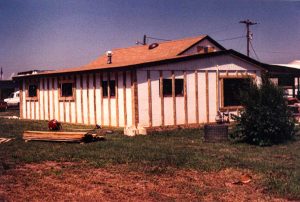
[249,34]
[1,73]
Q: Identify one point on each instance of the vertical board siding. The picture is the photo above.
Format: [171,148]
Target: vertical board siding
[25,109]
[91,99]
[125,97]
[98,100]
[168,103]
[46,100]
[179,102]
[128,99]
[202,97]
[78,99]
[121,100]
[191,97]
[212,95]
[156,102]
[143,98]
[84,99]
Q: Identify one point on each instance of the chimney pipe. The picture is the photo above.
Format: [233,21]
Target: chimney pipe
[109,57]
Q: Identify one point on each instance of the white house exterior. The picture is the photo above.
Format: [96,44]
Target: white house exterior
[180,82]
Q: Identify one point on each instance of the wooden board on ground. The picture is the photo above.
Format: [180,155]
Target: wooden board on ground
[53,136]
[4,140]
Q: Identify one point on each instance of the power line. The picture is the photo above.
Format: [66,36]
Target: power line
[233,38]
[254,51]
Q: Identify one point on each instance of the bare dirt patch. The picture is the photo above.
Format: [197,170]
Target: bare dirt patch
[53,181]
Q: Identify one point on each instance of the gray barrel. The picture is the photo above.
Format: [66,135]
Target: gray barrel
[215,132]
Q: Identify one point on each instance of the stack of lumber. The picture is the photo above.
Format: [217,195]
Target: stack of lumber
[4,140]
[53,136]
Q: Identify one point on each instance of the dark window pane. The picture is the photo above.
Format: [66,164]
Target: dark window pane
[112,86]
[178,87]
[285,81]
[233,88]
[104,89]
[32,89]
[66,89]
[167,87]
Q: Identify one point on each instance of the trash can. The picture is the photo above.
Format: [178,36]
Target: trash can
[215,132]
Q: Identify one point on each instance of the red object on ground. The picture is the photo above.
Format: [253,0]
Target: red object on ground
[54,125]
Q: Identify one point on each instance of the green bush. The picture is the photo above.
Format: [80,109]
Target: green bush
[266,119]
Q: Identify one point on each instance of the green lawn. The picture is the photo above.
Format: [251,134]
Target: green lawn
[279,165]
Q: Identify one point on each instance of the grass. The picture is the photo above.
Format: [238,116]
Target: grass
[279,165]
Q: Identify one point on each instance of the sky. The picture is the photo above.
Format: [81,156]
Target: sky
[55,34]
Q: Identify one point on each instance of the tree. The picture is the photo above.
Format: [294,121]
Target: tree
[266,118]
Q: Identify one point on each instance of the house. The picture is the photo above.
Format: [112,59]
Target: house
[181,82]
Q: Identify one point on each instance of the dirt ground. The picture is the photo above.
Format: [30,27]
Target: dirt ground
[53,181]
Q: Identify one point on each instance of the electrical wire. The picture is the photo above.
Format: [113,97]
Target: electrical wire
[254,51]
[159,39]
[233,38]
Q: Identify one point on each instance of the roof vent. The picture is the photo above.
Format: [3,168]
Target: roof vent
[109,57]
[153,45]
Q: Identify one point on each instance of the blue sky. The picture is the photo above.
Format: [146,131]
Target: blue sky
[52,34]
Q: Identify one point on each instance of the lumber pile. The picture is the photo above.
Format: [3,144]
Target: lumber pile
[4,140]
[54,136]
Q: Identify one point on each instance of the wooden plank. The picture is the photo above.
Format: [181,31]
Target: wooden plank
[53,136]
[108,99]
[44,107]
[196,97]
[124,98]
[101,99]
[117,98]
[58,95]
[88,98]
[149,98]
[53,98]
[94,92]
[174,98]
[48,95]
[185,97]
[81,99]
[75,92]
[217,90]
[64,104]
[207,96]
[21,99]
[161,98]
[134,98]
[222,92]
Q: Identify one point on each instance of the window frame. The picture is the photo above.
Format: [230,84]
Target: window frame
[108,89]
[173,88]
[221,86]
[66,98]
[32,98]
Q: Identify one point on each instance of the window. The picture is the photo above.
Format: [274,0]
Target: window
[32,90]
[178,87]
[167,87]
[66,89]
[233,89]
[112,88]
[285,81]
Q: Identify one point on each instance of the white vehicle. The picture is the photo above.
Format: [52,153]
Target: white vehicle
[13,100]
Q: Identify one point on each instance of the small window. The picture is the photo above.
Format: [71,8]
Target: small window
[178,87]
[32,90]
[167,87]
[66,89]
[112,87]
[233,89]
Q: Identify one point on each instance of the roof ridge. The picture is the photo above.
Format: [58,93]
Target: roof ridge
[171,41]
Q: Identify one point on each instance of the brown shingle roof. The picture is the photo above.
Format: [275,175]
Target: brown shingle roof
[140,54]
